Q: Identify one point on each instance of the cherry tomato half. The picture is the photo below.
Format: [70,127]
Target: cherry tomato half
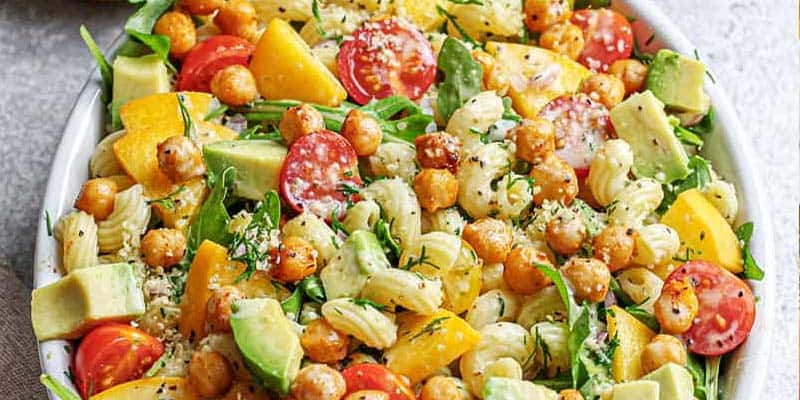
[112,354]
[376,377]
[582,126]
[727,309]
[210,56]
[608,37]
[317,173]
[384,58]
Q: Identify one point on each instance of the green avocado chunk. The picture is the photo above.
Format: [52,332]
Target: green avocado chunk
[136,77]
[369,252]
[87,297]
[641,121]
[267,341]
[678,82]
[515,389]
[358,257]
[257,162]
[674,382]
[637,390]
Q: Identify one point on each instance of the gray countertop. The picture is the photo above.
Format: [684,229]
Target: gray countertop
[751,47]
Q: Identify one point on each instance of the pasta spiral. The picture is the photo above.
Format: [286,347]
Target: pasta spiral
[608,174]
[503,351]
[400,207]
[128,220]
[656,244]
[77,233]
[476,175]
[363,321]
[103,162]
[396,287]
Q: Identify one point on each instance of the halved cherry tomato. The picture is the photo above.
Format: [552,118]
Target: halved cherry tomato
[112,354]
[582,126]
[210,56]
[384,58]
[608,37]
[317,173]
[376,377]
[727,309]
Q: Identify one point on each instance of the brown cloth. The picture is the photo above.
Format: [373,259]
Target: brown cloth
[19,358]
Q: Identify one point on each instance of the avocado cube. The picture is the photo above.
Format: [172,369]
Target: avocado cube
[641,121]
[136,77]
[674,382]
[257,162]
[515,389]
[637,390]
[268,343]
[71,306]
[678,82]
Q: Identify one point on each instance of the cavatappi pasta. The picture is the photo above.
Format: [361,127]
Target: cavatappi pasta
[404,200]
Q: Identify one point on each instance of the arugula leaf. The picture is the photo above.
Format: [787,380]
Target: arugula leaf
[462,77]
[686,136]
[212,220]
[508,111]
[140,26]
[573,311]
[751,268]
[706,125]
[577,336]
[644,317]
[712,377]
[696,366]
[590,357]
[106,72]
[698,178]
[246,246]
[312,287]
[58,388]
[291,306]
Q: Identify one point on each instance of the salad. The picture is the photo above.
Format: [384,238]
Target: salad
[397,200]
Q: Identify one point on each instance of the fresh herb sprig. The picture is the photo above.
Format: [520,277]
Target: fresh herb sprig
[247,245]
[430,328]
[169,201]
[751,268]
[186,117]
[364,303]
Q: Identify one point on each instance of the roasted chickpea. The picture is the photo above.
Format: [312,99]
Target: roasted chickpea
[555,180]
[563,38]
[661,350]
[297,259]
[540,14]
[520,272]
[495,74]
[238,18]
[180,159]
[535,139]
[234,85]
[318,382]
[324,344]
[179,28]
[607,89]
[570,394]
[368,395]
[97,198]
[201,7]
[565,233]
[438,150]
[436,189]
[491,239]
[589,277]
[218,309]
[632,73]
[443,387]
[210,374]
[363,132]
[163,247]
[677,306]
[614,246]
[300,121]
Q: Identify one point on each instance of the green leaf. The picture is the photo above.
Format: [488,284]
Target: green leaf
[698,178]
[577,336]
[312,287]
[58,388]
[706,125]
[291,306]
[462,79]
[140,26]
[644,317]
[686,136]
[106,72]
[266,218]
[216,113]
[590,358]
[508,111]
[573,311]
[212,220]
[384,234]
[696,366]
[591,218]
[751,268]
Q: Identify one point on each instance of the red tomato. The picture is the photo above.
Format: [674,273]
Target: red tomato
[384,58]
[727,309]
[112,354]
[316,173]
[376,377]
[582,126]
[210,56]
[608,36]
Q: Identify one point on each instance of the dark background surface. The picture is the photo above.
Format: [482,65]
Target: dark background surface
[750,45]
